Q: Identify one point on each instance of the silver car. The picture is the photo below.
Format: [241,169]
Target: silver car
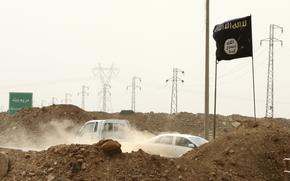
[172,144]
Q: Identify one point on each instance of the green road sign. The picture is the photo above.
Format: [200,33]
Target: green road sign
[19,100]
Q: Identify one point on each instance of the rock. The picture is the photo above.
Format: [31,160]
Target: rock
[50,169]
[213,173]
[4,164]
[27,156]
[50,177]
[111,147]
[31,174]
[75,167]
[84,166]
[236,124]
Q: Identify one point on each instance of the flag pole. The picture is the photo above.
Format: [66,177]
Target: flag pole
[254,95]
[253,73]
[215,91]
[206,95]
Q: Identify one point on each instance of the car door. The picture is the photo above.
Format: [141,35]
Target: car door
[87,133]
[164,146]
[183,145]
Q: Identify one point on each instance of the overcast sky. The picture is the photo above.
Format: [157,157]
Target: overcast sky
[50,48]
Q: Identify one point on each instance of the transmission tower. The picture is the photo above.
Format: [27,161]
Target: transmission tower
[270,76]
[53,100]
[174,79]
[84,93]
[106,95]
[133,88]
[43,103]
[105,75]
[67,98]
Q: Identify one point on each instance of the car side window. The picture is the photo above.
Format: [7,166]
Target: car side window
[89,128]
[165,140]
[118,127]
[108,127]
[180,141]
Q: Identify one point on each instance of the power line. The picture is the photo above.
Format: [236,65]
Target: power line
[270,75]
[174,79]
[133,86]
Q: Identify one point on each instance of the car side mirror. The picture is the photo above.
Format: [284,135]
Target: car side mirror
[191,146]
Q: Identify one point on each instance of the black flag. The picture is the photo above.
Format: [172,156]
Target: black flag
[233,39]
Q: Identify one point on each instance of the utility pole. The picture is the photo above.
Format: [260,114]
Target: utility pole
[105,75]
[83,93]
[2,108]
[206,95]
[174,79]
[270,76]
[67,98]
[133,87]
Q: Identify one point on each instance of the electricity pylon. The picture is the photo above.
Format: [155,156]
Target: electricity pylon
[174,79]
[105,75]
[133,88]
[67,98]
[106,95]
[43,103]
[83,93]
[270,76]
[53,100]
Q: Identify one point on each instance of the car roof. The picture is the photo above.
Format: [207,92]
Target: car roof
[177,134]
[108,121]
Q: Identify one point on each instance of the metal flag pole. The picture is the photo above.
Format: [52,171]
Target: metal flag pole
[254,94]
[215,91]
[253,73]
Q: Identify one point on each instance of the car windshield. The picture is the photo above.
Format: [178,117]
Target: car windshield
[198,140]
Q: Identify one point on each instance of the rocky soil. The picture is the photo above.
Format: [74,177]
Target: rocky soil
[244,150]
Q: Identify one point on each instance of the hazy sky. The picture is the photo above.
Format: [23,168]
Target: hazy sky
[50,48]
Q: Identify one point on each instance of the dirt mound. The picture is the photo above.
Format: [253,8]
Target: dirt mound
[245,150]
[253,152]
[89,162]
[4,162]
[32,116]
[31,127]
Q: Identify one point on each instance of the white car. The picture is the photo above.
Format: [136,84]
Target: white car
[172,144]
[96,130]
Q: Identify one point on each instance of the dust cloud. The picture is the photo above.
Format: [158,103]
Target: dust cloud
[58,132]
[50,134]
[131,139]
